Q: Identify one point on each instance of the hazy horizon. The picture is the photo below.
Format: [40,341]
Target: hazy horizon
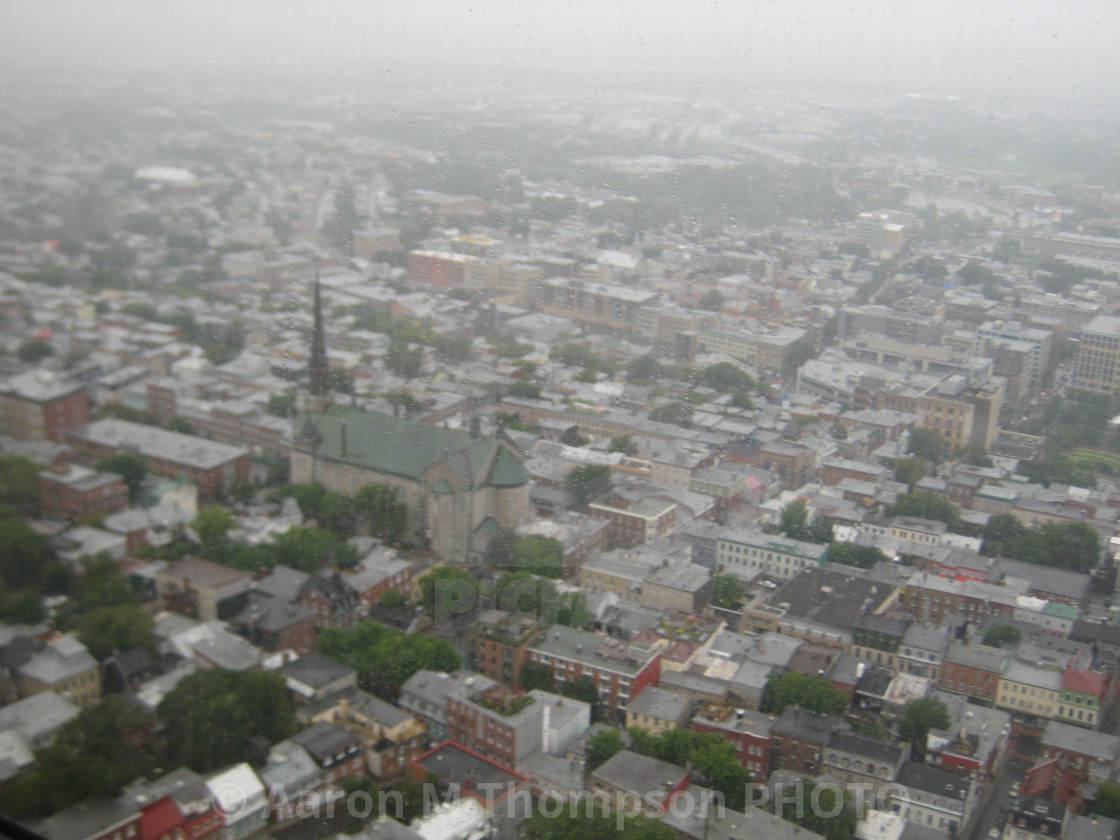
[990,53]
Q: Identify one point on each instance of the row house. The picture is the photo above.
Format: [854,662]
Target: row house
[974,670]
[618,669]
[798,740]
[749,732]
[498,644]
[749,552]
[72,491]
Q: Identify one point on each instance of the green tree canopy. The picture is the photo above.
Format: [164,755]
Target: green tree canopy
[917,719]
[536,675]
[216,718]
[212,524]
[928,444]
[727,591]
[447,590]
[385,657]
[926,506]
[811,692]
[910,471]
[105,630]
[94,755]
[1065,545]
[676,413]
[623,443]
[19,484]
[132,468]
[585,482]
[853,554]
[1003,635]
[827,812]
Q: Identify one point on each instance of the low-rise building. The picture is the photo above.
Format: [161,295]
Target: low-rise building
[39,405]
[636,783]
[71,491]
[619,670]
[202,589]
[65,667]
[933,797]
[748,731]
[1029,689]
[213,467]
[747,553]
[972,669]
[657,710]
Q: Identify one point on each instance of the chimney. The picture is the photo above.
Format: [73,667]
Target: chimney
[342,440]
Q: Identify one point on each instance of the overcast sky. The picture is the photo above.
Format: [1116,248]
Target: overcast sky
[1002,47]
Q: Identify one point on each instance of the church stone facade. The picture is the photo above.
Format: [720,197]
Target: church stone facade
[459,489]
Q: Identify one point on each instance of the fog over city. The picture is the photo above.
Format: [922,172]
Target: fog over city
[1005,50]
[515,420]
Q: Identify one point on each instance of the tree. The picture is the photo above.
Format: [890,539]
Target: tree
[585,482]
[623,443]
[535,675]
[644,370]
[403,360]
[828,812]
[178,424]
[23,554]
[677,413]
[216,718]
[385,657]
[727,590]
[712,300]
[378,506]
[853,554]
[1003,635]
[393,599]
[917,719]
[521,388]
[19,484]
[797,354]
[212,525]
[132,468]
[927,444]
[910,471]
[794,519]
[572,437]
[107,629]
[34,350]
[21,606]
[976,456]
[446,590]
[101,584]
[93,755]
[812,692]
[282,405]
[1107,801]
[926,506]
[540,555]
[1000,534]
[726,378]
[601,746]
[819,530]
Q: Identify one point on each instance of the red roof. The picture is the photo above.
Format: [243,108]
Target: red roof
[1085,682]
[159,818]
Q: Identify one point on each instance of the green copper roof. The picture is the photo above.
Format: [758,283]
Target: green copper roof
[506,470]
[407,448]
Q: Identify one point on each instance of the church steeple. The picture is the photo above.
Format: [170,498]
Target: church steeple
[320,385]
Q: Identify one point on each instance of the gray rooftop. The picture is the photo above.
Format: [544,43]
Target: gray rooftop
[595,649]
[631,771]
[154,442]
[37,716]
[1065,736]
[660,703]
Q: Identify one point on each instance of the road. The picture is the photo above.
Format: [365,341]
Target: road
[994,797]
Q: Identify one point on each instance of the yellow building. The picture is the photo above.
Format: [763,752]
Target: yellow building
[657,710]
[1028,689]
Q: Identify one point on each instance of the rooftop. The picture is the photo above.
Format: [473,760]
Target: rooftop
[154,442]
[595,649]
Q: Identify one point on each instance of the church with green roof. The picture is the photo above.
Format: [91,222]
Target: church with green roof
[460,488]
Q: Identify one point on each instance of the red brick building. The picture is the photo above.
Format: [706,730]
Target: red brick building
[212,467]
[71,491]
[748,731]
[41,406]
[972,669]
[638,523]
[618,669]
[442,269]
[798,738]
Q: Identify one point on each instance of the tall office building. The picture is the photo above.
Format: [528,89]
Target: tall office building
[1098,359]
